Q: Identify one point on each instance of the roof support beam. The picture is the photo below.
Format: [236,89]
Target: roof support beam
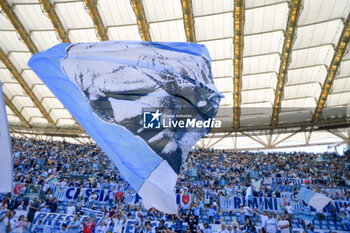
[219,140]
[332,70]
[16,112]
[187,12]
[141,19]
[25,86]
[238,59]
[50,10]
[74,133]
[294,12]
[96,18]
[18,26]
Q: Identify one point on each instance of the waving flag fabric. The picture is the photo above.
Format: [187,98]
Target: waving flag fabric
[5,149]
[312,198]
[130,98]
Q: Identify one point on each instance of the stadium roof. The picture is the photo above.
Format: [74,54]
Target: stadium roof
[283,66]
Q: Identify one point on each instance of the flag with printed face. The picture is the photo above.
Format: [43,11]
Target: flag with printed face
[144,103]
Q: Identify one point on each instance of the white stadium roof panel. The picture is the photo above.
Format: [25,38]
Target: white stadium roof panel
[259,81]
[32,17]
[5,24]
[321,55]
[5,76]
[124,33]
[338,99]
[303,90]
[116,12]
[206,7]
[214,27]
[323,10]
[31,79]
[222,68]
[318,34]
[20,59]
[10,42]
[38,121]
[295,103]
[315,74]
[159,10]
[344,69]
[261,64]
[73,15]
[265,19]
[168,31]
[86,35]
[258,95]
[220,49]
[52,102]
[224,84]
[44,39]
[263,43]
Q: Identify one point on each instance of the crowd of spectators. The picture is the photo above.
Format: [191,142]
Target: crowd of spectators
[206,176]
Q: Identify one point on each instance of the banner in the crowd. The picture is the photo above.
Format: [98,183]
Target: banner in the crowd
[262,203]
[144,103]
[52,221]
[5,149]
[72,194]
[312,198]
[294,181]
[183,199]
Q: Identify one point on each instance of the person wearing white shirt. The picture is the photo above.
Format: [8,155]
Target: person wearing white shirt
[246,209]
[289,208]
[101,228]
[270,224]
[223,229]
[70,209]
[119,221]
[283,224]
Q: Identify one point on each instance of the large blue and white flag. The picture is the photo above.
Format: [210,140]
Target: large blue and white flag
[5,149]
[144,103]
[312,198]
[249,194]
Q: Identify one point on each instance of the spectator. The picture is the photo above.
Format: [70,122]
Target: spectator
[74,226]
[283,224]
[223,228]
[89,225]
[70,209]
[270,224]
[34,207]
